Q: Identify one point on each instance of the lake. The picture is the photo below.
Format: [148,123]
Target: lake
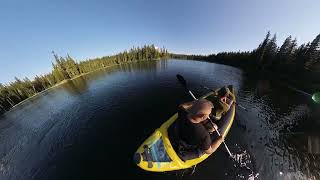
[90,127]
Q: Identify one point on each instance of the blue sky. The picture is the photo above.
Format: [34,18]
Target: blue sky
[30,30]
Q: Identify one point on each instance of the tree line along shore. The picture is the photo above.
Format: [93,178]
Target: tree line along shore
[298,65]
[289,63]
[66,68]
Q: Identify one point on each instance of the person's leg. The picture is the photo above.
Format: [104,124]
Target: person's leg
[191,154]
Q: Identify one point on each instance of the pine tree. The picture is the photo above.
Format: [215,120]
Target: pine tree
[300,57]
[271,52]
[313,55]
[285,56]
[260,52]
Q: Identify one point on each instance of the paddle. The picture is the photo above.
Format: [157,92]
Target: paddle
[205,87]
[184,84]
[315,97]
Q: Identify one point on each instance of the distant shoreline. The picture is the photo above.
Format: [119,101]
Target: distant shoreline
[54,86]
[68,80]
[300,81]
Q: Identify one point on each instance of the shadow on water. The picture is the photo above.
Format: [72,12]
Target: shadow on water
[76,86]
[89,127]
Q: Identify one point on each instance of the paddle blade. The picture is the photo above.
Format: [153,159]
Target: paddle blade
[182,80]
[316,97]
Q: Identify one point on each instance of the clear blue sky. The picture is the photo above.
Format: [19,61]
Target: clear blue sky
[30,29]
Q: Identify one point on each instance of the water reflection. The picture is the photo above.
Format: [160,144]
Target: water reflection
[76,86]
[314,145]
[285,118]
[142,66]
[76,130]
[263,88]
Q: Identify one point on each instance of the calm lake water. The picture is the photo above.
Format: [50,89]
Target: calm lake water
[90,127]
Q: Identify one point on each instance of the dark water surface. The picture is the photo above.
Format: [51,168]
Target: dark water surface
[90,127]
